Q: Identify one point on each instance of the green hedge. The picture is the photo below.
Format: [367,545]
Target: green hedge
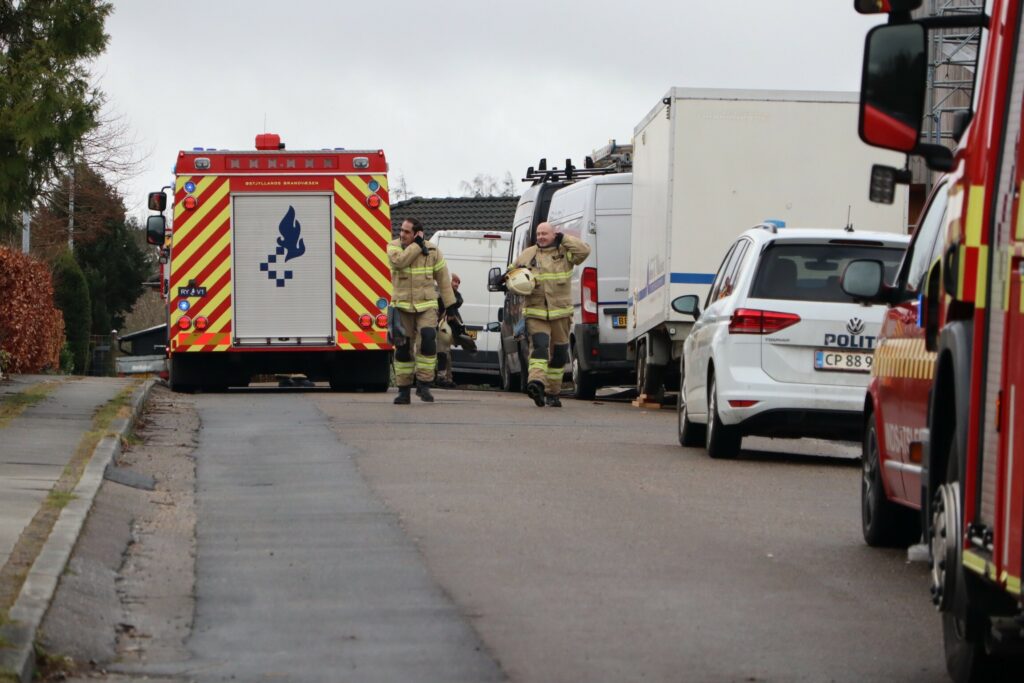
[71,294]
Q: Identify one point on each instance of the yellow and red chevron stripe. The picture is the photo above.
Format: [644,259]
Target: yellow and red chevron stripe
[361,271]
[201,253]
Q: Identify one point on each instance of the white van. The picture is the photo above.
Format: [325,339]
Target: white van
[470,254]
[598,210]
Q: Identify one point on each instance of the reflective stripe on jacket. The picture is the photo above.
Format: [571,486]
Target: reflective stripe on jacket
[414,275]
[552,274]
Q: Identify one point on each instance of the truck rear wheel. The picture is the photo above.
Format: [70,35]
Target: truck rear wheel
[650,378]
[179,377]
[884,523]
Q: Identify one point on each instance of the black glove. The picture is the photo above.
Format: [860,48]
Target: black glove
[423,247]
[558,239]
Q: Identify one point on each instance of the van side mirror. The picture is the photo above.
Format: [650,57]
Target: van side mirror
[688,304]
[494,283]
[495,327]
[862,280]
[157,201]
[155,228]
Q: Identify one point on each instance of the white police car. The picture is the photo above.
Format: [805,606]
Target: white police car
[779,349]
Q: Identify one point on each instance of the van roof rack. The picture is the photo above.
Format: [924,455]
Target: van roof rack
[542,174]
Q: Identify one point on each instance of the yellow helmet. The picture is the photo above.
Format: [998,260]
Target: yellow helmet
[520,281]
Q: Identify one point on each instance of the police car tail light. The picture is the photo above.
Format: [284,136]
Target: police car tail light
[365,321]
[382,320]
[588,295]
[742,403]
[753,321]
[184,322]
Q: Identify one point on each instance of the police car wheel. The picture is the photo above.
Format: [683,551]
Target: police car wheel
[690,434]
[722,441]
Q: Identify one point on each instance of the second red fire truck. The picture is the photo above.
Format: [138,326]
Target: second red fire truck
[945,411]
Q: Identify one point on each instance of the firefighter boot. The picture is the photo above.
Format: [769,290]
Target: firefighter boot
[553,401]
[535,390]
[403,398]
[423,391]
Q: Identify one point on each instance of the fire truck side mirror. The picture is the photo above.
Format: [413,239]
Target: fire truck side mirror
[155,227]
[157,201]
[892,87]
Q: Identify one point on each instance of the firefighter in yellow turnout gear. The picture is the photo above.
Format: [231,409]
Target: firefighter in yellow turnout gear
[418,273]
[548,309]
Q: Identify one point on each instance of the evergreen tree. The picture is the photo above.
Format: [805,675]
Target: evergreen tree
[46,102]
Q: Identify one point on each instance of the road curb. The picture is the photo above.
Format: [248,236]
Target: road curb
[17,659]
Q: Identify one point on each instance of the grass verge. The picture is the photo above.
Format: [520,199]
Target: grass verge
[32,539]
[12,405]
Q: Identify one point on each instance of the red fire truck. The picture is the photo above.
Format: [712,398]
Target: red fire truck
[971,313]
[276,263]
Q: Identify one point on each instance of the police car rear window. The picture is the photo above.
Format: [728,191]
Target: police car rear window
[811,272]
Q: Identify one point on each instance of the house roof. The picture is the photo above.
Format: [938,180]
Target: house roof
[456,213]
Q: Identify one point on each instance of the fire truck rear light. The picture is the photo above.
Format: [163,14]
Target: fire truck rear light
[190,202]
[743,403]
[382,320]
[916,452]
[201,323]
[751,321]
[380,152]
[365,321]
[373,201]
[361,162]
[184,322]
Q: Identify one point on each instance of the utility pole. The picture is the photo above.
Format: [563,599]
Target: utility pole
[26,231]
[71,206]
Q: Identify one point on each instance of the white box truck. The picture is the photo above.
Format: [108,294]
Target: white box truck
[709,164]
[470,255]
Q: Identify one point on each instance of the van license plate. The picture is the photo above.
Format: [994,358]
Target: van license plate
[847,361]
[619,321]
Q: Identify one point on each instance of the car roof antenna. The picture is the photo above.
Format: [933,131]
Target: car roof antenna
[849,223]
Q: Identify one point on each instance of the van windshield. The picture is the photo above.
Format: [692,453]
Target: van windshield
[811,272]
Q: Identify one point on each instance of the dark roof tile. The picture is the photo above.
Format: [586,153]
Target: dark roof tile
[456,213]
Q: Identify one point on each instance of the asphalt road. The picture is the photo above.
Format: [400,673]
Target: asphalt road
[339,537]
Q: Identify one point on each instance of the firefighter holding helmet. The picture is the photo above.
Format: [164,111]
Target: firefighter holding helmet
[543,275]
[418,273]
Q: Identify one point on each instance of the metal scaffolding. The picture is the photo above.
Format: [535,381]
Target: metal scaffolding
[952,63]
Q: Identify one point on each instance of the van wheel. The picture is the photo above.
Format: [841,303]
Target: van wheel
[509,379]
[722,441]
[883,522]
[584,383]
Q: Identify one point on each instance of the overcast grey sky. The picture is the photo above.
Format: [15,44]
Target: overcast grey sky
[449,88]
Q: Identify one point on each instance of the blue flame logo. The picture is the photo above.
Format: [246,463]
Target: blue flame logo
[289,245]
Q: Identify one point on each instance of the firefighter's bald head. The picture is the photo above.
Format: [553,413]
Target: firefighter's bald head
[545,235]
